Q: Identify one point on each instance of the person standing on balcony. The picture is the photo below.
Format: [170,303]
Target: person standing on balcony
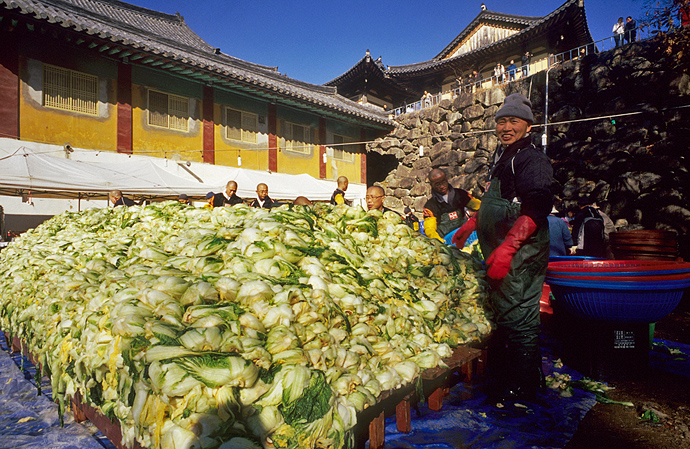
[618,30]
[426,99]
[512,68]
[525,63]
[630,30]
[477,79]
[498,73]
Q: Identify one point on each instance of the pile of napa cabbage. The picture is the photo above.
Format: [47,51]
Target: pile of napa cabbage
[236,327]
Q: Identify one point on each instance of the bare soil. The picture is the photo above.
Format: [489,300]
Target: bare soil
[609,426]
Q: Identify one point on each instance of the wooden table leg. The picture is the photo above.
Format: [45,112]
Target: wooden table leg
[377,432]
[402,416]
[436,399]
[78,413]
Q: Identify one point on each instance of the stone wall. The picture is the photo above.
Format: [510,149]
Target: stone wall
[620,122]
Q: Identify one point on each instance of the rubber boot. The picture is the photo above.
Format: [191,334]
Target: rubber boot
[526,376]
[497,366]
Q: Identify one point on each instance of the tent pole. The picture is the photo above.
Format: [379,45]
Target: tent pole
[79,203]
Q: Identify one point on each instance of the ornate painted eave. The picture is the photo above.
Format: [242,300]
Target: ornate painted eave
[489,18]
[135,35]
[572,10]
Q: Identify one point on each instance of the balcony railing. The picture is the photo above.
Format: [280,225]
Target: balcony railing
[643,33]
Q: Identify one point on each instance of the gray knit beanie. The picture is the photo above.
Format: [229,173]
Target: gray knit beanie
[516,105]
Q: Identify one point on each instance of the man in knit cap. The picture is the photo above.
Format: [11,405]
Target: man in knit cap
[513,234]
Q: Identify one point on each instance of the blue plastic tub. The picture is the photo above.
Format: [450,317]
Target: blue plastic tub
[629,302]
[617,268]
[571,258]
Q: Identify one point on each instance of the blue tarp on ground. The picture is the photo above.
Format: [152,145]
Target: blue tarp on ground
[468,420]
[30,421]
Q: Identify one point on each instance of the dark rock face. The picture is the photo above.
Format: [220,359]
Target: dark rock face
[617,131]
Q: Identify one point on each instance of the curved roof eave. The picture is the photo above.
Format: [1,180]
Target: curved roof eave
[434,64]
[193,58]
[487,16]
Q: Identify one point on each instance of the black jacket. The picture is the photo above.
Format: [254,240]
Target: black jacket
[123,201]
[219,200]
[527,177]
[268,203]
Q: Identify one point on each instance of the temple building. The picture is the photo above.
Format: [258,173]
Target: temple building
[490,38]
[110,76]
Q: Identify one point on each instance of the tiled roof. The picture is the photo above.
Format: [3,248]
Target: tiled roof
[535,25]
[488,16]
[147,35]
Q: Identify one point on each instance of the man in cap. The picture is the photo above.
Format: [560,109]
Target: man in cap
[227,197]
[513,234]
[445,210]
[183,198]
[209,200]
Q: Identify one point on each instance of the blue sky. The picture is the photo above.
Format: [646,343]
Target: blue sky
[318,40]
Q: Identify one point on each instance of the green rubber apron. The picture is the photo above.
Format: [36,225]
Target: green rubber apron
[515,299]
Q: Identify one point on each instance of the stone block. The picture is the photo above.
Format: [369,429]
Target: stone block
[418,203]
[450,157]
[421,189]
[468,144]
[475,164]
[439,149]
[453,117]
[407,182]
[462,101]
[432,114]
[410,158]
[473,112]
[423,162]
[491,97]
[400,132]
[400,193]
[402,171]
[421,174]
[393,181]
[445,104]
[394,203]
[488,141]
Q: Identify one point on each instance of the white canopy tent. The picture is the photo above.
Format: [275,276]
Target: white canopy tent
[26,169]
[26,166]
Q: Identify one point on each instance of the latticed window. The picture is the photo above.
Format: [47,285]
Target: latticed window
[298,138]
[342,151]
[242,126]
[70,90]
[168,111]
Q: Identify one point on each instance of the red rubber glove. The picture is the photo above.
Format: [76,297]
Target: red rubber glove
[499,260]
[462,234]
